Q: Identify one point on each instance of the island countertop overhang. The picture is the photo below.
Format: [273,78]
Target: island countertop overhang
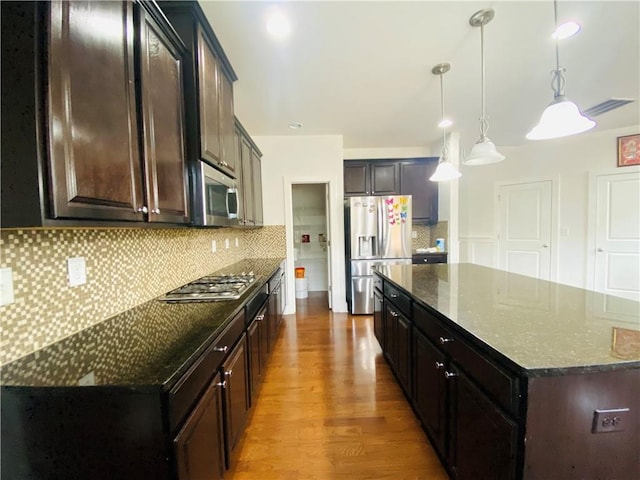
[541,328]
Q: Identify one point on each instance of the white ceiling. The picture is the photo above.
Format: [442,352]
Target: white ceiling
[363,69]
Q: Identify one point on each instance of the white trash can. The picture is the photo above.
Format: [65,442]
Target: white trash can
[302,289]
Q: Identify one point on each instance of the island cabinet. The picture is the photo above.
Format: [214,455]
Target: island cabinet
[209,79]
[92,120]
[396,177]
[505,391]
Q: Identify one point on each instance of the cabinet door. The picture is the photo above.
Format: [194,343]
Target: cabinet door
[242,216]
[357,180]
[247,182]
[430,390]
[93,128]
[253,343]
[384,178]
[414,181]
[483,440]
[403,359]
[390,344]
[227,127]
[208,101]
[235,396]
[257,187]
[199,446]
[163,124]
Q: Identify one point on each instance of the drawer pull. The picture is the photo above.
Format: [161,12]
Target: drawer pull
[228,373]
[450,375]
[221,349]
[425,260]
[393,314]
[439,364]
[260,318]
[444,340]
[394,295]
[222,384]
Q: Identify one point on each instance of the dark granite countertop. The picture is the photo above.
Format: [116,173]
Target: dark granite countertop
[540,326]
[151,344]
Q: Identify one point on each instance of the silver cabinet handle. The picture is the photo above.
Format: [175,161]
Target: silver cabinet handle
[156,211]
[394,295]
[142,209]
[228,373]
[393,314]
[260,318]
[439,364]
[222,384]
[450,375]
[220,349]
[444,340]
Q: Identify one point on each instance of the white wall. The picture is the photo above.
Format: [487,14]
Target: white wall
[295,159]
[565,161]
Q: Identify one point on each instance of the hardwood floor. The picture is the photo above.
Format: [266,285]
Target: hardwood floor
[330,408]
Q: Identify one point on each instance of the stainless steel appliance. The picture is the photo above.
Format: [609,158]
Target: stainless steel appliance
[216,199]
[211,288]
[378,232]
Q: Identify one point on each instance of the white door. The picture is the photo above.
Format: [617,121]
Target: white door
[524,238]
[617,235]
[327,209]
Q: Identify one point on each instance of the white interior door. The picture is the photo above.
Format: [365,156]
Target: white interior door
[617,235]
[524,238]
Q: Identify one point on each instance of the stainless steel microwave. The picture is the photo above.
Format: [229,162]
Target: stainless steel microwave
[216,198]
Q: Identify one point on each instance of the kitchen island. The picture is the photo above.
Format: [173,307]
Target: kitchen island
[139,394]
[511,376]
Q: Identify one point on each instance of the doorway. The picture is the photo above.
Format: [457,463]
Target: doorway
[311,237]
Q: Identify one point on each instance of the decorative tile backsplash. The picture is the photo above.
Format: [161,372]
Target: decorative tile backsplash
[426,235]
[125,267]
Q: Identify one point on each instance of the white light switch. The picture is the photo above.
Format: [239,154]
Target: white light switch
[414,234]
[88,380]
[214,246]
[237,242]
[77,270]
[226,243]
[6,286]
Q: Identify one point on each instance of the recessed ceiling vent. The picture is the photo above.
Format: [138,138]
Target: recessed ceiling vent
[607,106]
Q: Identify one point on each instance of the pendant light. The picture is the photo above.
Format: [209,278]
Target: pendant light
[445,170]
[484,151]
[562,117]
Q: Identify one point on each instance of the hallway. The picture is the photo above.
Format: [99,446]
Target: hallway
[330,408]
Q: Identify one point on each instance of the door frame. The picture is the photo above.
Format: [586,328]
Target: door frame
[555,197]
[334,217]
[592,221]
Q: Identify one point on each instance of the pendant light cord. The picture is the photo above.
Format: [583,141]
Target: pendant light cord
[445,148]
[484,124]
[558,81]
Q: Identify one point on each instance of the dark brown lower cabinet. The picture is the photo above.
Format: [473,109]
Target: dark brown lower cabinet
[236,396]
[483,441]
[258,354]
[199,445]
[378,321]
[430,390]
[397,341]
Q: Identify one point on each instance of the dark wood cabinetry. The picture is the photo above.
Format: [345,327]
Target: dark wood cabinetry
[391,177]
[397,341]
[199,447]
[422,258]
[93,113]
[209,81]
[236,396]
[257,334]
[249,178]
[378,316]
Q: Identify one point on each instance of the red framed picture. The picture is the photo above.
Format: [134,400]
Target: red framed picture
[629,150]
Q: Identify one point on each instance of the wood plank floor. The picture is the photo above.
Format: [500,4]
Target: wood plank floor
[330,408]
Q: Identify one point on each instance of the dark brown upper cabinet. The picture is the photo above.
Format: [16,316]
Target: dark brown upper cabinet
[391,177]
[249,178]
[209,81]
[92,118]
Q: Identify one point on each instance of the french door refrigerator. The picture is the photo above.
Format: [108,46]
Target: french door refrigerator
[378,232]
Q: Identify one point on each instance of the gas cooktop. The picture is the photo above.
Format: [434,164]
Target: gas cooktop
[211,288]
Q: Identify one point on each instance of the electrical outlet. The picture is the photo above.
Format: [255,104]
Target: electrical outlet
[6,286]
[414,234]
[610,420]
[88,379]
[237,242]
[77,270]
[214,246]
[226,243]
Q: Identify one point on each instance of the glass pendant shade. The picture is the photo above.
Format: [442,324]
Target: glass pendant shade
[560,119]
[445,171]
[483,152]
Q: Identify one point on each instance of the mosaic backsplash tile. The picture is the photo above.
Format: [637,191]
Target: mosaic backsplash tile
[125,267]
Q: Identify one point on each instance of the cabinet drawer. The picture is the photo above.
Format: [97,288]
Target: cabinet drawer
[419,259]
[497,383]
[187,390]
[399,299]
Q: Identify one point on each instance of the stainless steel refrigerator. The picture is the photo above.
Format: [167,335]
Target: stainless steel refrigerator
[378,231]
